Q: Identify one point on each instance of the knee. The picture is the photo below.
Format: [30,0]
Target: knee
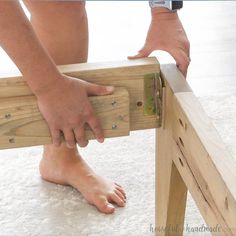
[58,11]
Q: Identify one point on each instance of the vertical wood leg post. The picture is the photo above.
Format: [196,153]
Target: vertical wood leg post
[171,192]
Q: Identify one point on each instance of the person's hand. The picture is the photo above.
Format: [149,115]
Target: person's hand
[167,33]
[66,108]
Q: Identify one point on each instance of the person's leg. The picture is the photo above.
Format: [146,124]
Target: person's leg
[63,30]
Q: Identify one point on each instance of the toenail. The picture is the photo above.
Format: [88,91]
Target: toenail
[100,140]
[110,205]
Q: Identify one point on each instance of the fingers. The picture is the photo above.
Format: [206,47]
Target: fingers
[182,60]
[77,134]
[56,136]
[98,90]
[186,46]
[95,125]
[91,119]
[69,137]
[181,57]
[80,136]
[144,52]
[72,114]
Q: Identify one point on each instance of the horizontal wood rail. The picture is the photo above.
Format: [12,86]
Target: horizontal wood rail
[21,123]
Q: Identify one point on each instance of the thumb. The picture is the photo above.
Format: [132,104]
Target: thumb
[141,53]
[98,90]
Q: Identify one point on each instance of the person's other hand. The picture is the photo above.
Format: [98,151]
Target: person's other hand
[167,33]
[66,108]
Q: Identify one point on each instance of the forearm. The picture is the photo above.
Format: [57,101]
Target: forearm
[20,42]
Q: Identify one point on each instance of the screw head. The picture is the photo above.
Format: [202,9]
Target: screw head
[8,116]
[11,140]
[114,103]
[114,126]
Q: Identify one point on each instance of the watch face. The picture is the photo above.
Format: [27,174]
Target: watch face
[161,3]
[171,5]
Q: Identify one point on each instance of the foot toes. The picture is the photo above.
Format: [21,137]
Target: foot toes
[116,199]
[121,190]
[120,194]
[104,206]
[118,185]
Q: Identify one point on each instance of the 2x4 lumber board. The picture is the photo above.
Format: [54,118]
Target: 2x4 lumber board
[171,191]
[207,158]
[21,123]
[128,74]
[176,203]
[183,168]
[214,170]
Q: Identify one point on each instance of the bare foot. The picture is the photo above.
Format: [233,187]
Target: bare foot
[65,166]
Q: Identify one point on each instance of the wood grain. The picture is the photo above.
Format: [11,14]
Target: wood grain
[200,156]
[128,74]
[210,163]
[171,192]
[187,175]
[21,123]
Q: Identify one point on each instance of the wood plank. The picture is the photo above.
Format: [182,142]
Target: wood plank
[181,162]
[205,154]
[171,191]
[213,168]
[21,123]
[128,74]
[176,203]
[174,78]
[163,169]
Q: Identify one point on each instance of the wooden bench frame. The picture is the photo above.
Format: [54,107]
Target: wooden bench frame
[190,154]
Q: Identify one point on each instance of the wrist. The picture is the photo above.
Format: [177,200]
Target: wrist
[163,13]
[42,79]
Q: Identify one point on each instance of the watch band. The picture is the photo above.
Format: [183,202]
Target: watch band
[171,5]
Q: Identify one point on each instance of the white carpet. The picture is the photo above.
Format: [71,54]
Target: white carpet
[30,206]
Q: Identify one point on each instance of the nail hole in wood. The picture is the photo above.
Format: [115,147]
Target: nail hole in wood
[139,103]
[181,162]
[185,126]
[181,122]
[226,203]
[181,141]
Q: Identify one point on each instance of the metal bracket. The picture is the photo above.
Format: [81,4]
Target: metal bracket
[153,95]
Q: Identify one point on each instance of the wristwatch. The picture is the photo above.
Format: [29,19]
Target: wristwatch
[171,5]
